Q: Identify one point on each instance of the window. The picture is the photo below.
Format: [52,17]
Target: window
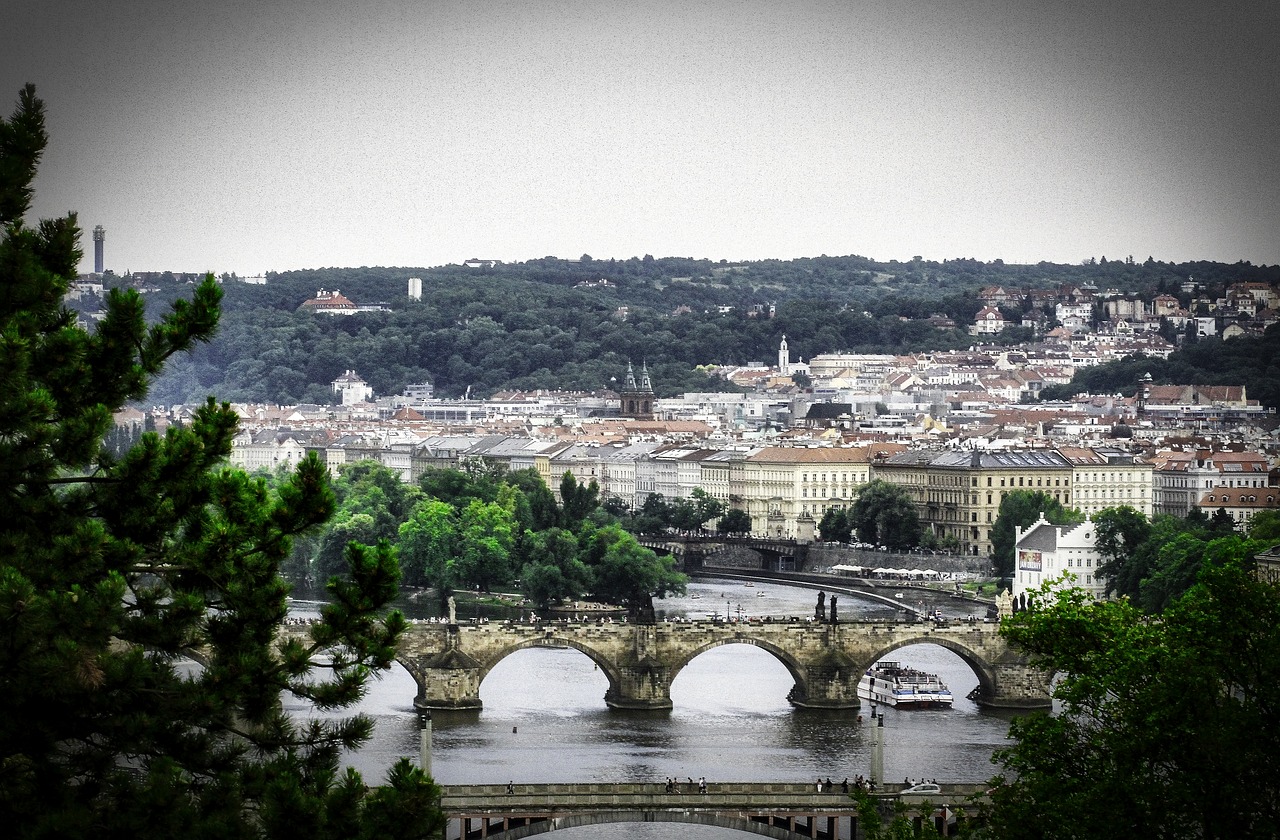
[988,481]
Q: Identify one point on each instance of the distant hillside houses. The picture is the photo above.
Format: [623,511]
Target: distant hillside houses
[1245,308]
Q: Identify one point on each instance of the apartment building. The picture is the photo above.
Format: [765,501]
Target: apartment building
[958,494]
[1105,478]
[782,486]
[1182,479]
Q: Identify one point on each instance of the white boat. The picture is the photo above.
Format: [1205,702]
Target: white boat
[893,684]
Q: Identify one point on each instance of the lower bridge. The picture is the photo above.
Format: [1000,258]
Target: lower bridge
[772,809]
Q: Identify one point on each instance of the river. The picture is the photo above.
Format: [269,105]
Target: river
[545,720]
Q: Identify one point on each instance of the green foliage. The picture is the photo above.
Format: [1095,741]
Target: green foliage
[577,500]
[428,539]
[835,525]
[883,513]
[1154,563]
[543,512]
[554,570]
[627,573]
[1020,509]
[1250,361]
[486,537]
[734,521]
[117,569]
[899,826]
[1167,728]
[1120,531]
[1264,526]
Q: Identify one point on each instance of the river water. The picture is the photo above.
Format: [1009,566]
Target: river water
[545,720]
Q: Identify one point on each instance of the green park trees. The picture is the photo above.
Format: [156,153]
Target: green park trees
[734,521]
[1167,727]
[626,572]
[118,573]
[883,513]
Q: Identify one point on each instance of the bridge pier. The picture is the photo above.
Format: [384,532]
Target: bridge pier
[830,681]
[1014,685]
[448,679]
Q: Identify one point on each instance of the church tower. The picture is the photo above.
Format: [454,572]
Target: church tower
[637,399]
[784,358]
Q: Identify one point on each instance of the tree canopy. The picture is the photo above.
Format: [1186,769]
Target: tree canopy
[119,573]
[1166,729]
[884,513]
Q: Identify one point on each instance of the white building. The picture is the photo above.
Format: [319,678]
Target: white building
[1044,552]
[352,388]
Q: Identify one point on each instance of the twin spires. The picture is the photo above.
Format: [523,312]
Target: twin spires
[645,384]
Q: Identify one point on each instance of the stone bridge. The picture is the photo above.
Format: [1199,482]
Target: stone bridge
[690,551]
[772,809]
[450,661]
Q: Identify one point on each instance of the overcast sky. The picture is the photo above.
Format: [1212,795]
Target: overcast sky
[268,135]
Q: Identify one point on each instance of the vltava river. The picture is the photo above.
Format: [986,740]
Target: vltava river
[545,720]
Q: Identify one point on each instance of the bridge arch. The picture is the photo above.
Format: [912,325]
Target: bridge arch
[552,641]
[977,662]
[794,667]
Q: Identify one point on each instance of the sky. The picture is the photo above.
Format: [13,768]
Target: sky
[250,136]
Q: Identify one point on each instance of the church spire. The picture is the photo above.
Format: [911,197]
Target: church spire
[645,384]
[631,378]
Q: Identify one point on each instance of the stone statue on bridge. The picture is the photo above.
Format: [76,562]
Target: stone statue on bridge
[1004,604]
[833,609]
[453,610]
[820,610]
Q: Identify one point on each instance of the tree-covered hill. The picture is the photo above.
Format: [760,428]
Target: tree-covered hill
[551,323]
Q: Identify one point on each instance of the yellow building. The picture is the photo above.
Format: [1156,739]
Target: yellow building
[783,487]
[958,494]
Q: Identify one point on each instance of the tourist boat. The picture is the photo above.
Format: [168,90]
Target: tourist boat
[893,684]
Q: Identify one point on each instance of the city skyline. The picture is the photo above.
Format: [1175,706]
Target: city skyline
[251,137]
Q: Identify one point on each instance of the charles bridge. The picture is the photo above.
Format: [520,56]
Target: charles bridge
[450,661]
